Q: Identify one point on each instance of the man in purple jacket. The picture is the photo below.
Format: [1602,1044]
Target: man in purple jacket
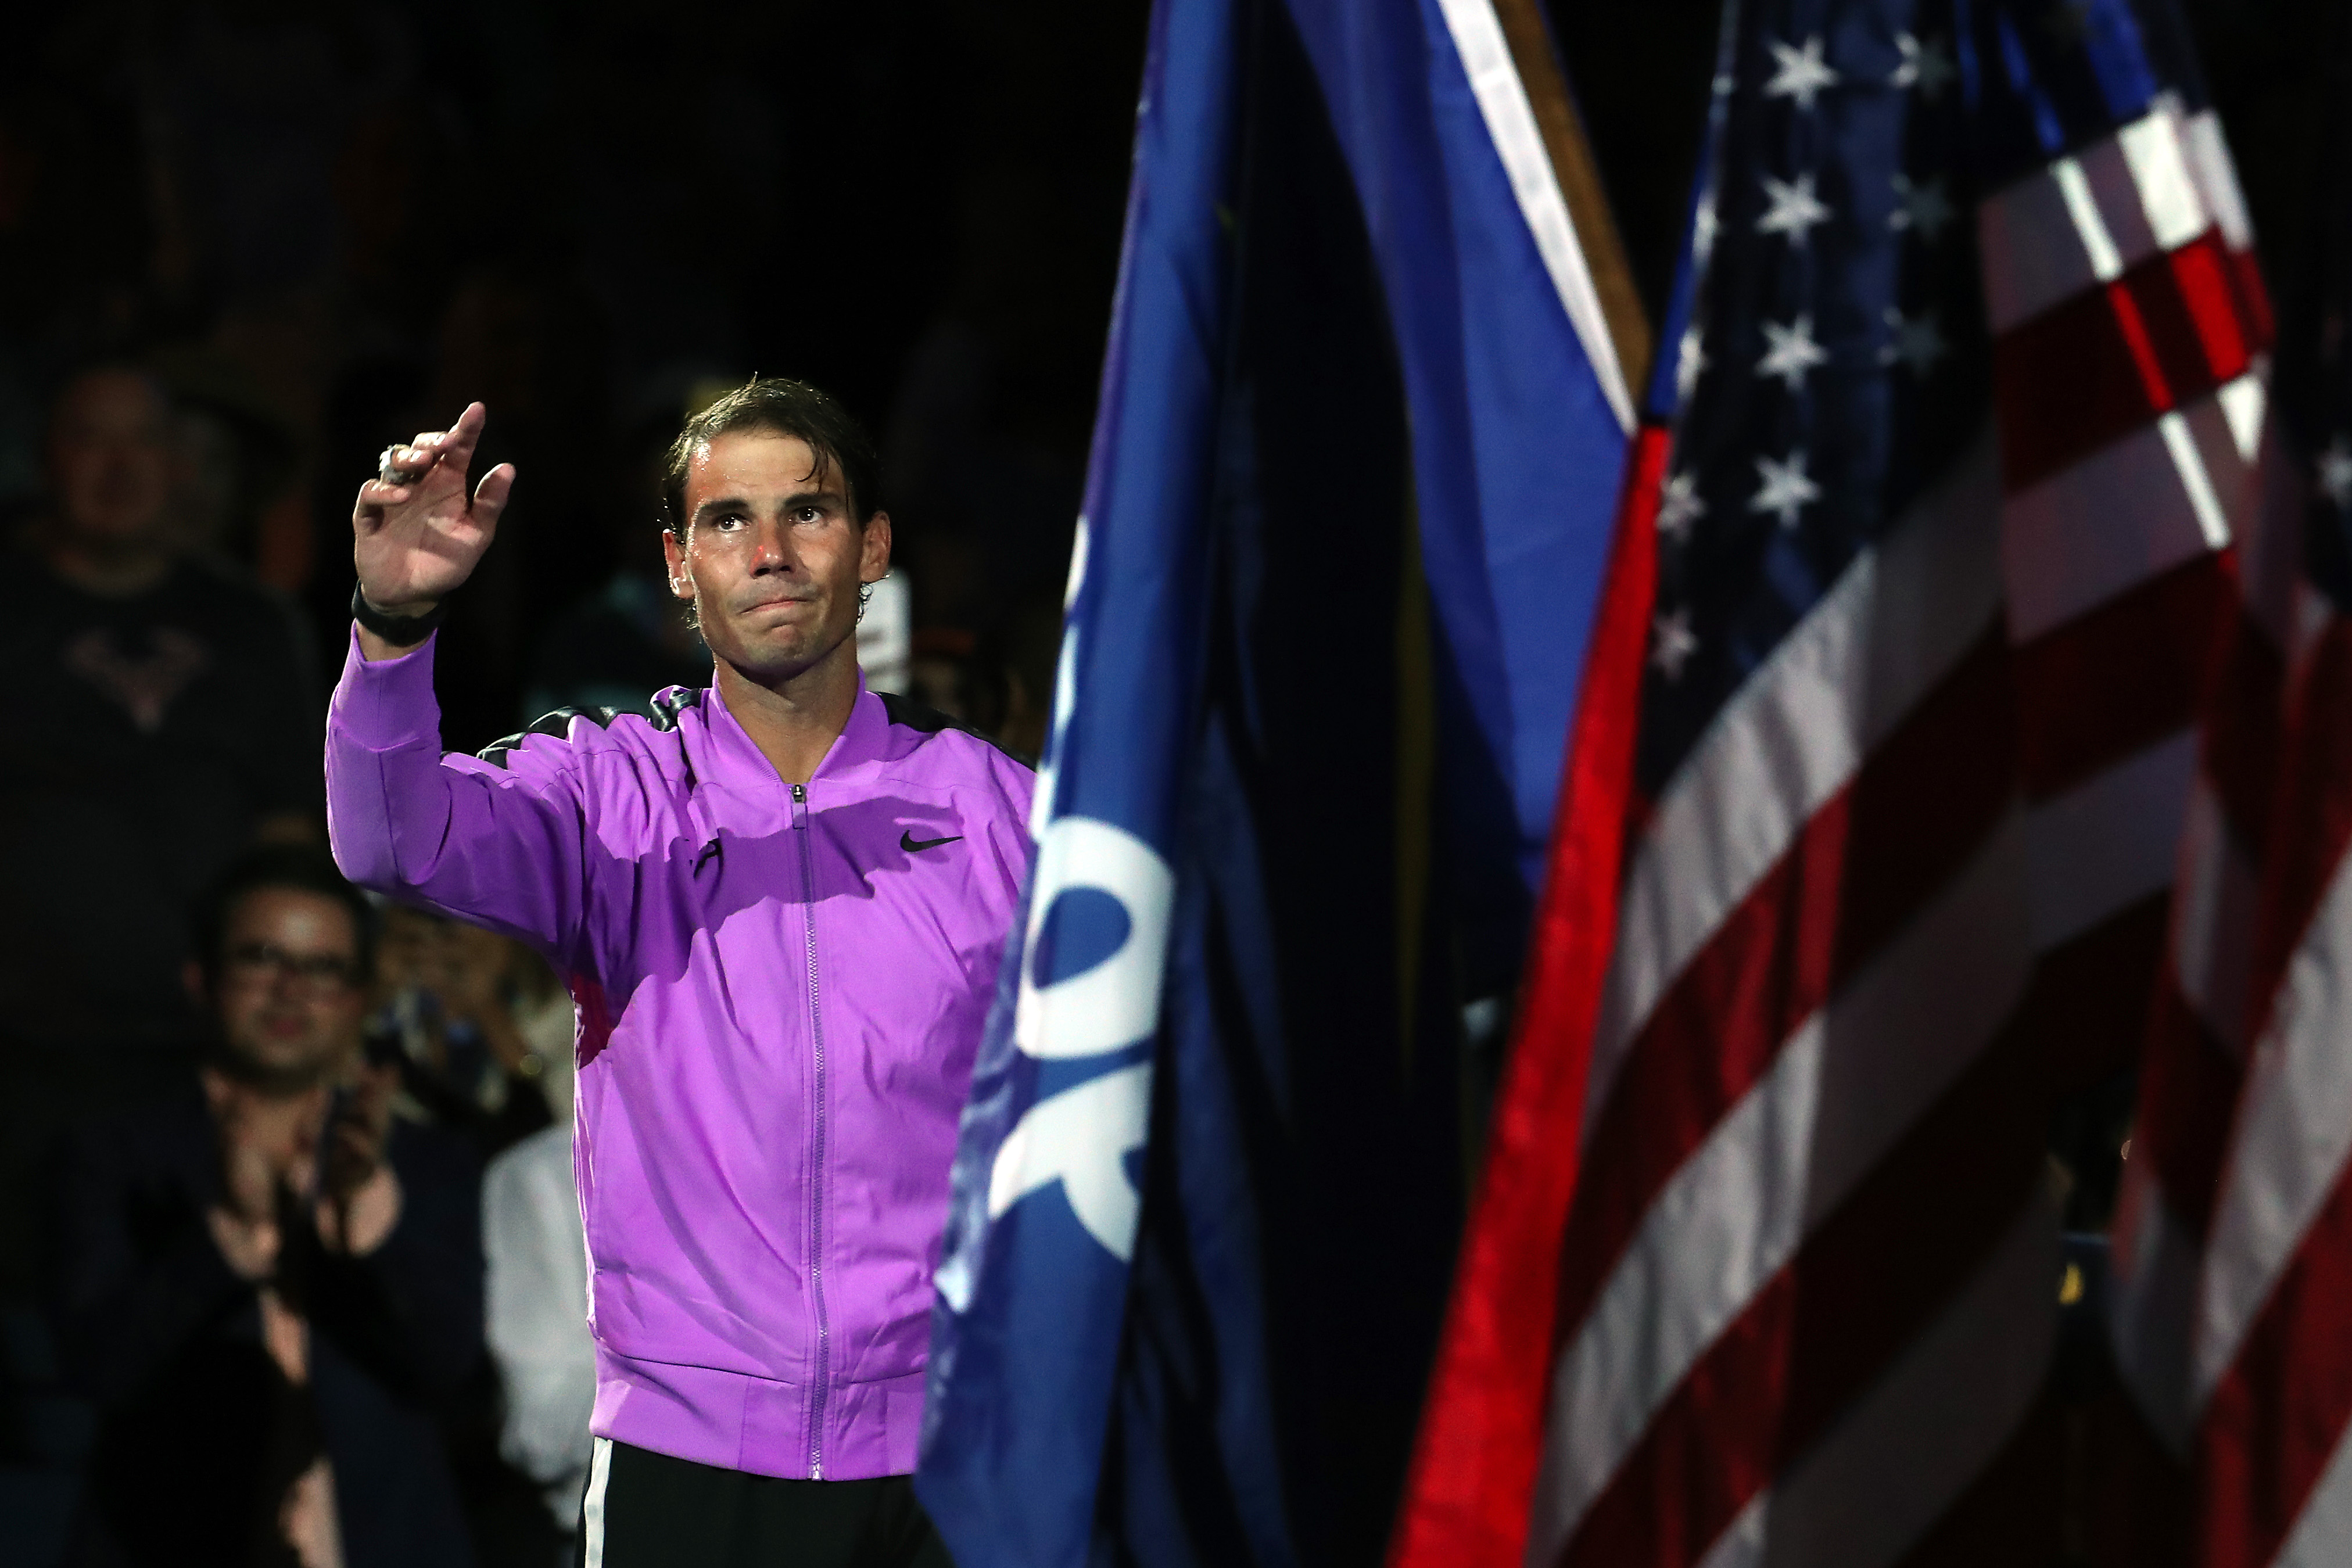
[779,903]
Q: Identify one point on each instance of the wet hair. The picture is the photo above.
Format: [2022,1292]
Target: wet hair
[780,407]
[292,868]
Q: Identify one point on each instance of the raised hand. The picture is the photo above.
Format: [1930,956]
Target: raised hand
[360,1197]
[259,1151]
[355,1134]
[416,536]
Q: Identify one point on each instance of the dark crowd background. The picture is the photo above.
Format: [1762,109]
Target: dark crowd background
[245,243]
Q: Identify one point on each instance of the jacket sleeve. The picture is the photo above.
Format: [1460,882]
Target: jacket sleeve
[499,844]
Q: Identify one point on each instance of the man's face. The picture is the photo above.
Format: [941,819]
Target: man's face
[111,457]
[773,557]
[288,999]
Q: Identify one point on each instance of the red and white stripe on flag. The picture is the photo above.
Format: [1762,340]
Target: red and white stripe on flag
[2268,1380]
[1909,883]
[2132,332]
[2233,1240]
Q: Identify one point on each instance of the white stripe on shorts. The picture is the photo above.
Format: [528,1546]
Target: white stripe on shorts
[591,1507]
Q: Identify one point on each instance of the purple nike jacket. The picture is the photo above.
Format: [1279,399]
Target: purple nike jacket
[780,990]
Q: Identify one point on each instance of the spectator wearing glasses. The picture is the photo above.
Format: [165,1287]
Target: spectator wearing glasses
[268,1285]
[167,720]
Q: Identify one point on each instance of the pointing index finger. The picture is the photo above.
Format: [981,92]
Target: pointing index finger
[457,445]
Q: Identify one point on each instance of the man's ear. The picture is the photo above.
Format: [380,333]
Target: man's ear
[192,980]
[874,562]
[681,582]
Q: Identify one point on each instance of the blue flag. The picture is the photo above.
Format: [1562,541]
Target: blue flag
[1355,458]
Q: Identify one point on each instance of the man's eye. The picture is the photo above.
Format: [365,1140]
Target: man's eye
[808,513]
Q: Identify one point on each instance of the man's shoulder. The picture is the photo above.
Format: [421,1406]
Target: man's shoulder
[944,739]
[581,732]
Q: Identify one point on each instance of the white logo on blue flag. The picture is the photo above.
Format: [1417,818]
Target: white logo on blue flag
[1081,1136]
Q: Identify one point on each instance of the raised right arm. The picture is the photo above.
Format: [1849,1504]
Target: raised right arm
[500,847]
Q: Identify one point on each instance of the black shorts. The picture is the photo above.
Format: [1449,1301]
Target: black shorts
[648,1510]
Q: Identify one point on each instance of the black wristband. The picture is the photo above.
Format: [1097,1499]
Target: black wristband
[400,631]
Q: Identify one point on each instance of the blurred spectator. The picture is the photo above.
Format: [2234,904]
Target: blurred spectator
[479,1034]
[1000,683]
[885,634]
[74,250]
[236,499]
[1015,688]
[941,674]
[174,723]
[617,649]
[630,638]
[177,723]
[519,333]
[538,1321]
[987,435]
[522,336]
[481,1030]
[268,1283]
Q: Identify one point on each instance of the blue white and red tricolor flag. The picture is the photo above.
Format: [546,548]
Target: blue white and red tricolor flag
[1942,549]
[2232,1241]
[1357,444]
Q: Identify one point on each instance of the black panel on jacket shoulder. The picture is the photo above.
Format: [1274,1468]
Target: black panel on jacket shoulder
[914,716]
[668,704]
[557,724]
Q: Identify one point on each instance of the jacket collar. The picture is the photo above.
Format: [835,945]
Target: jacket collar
[741,761]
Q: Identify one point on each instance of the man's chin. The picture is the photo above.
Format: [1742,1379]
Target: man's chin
[775,655]
[276,1070]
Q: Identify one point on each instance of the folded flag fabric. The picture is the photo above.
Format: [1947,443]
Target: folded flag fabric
[1359,439]
[1939,554]
[2232,1243]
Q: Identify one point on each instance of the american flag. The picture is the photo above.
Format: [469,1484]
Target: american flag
[1941,545]
[2233,1239]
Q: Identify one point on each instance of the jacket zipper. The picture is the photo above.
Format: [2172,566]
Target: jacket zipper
[816,1188]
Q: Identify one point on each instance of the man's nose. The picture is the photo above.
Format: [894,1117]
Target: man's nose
[770,551]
